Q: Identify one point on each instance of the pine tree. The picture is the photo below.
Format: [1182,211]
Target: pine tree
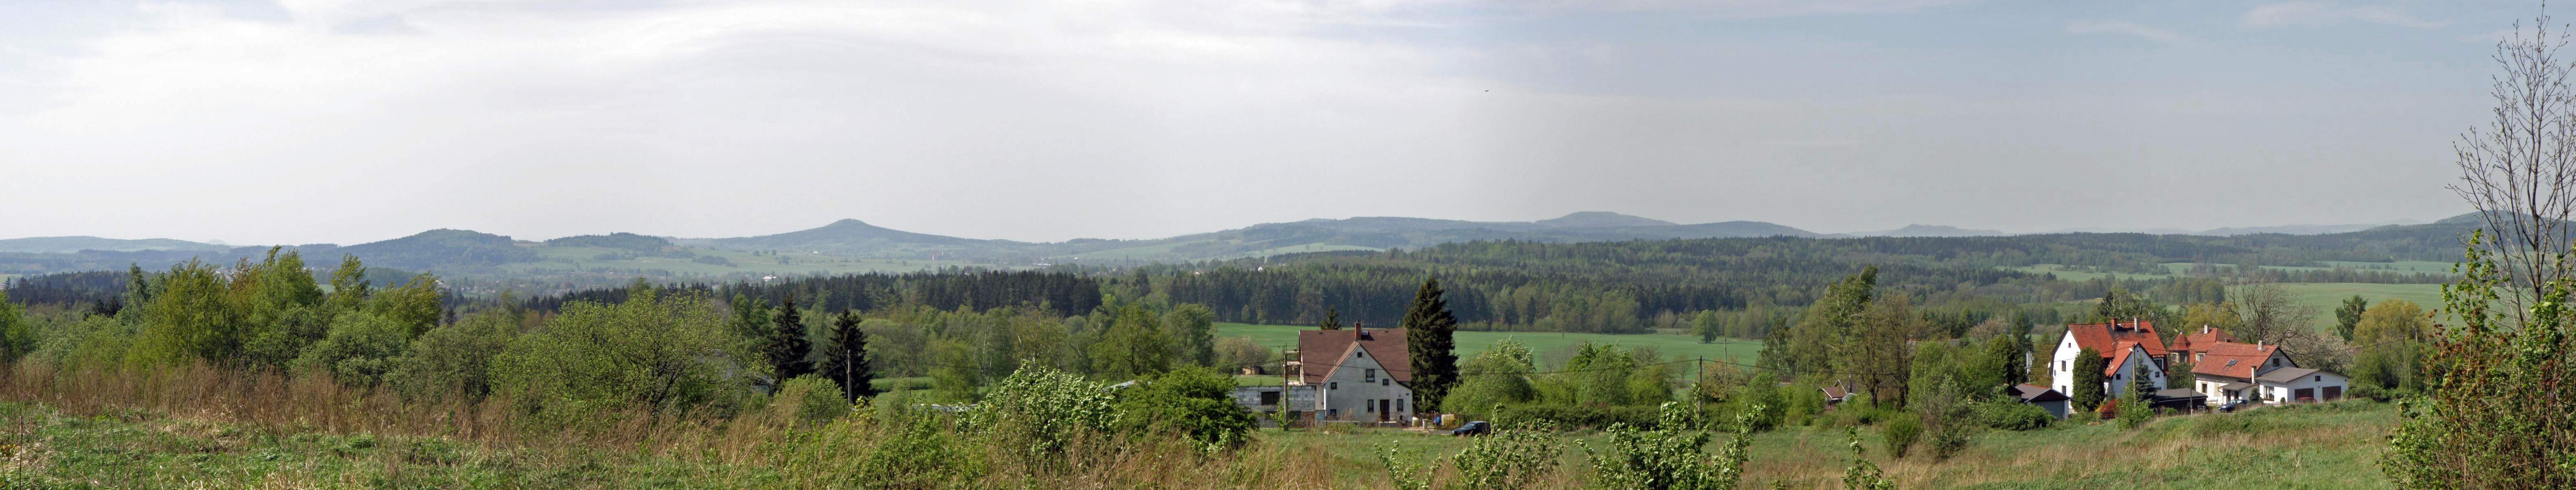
[1430,332]
[846,359]
[787,347]
[1332,319]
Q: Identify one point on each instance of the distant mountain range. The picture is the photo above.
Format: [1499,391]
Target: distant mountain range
[73,244]
[457,250]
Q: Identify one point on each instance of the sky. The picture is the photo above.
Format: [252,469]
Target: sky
[322,121]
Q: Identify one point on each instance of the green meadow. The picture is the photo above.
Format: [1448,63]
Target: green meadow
[1552,348]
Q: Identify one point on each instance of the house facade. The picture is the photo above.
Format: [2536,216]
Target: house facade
[2300,385]
[1353,375]
[2130,349]
[2237,372]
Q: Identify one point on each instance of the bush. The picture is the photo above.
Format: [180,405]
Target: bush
[2134,413]
[1900,433]
[1043,410]
[1673,456]
[809,399]
[1575,416]
[2014,415]
[1508,459]
[360,349]
[1196,402]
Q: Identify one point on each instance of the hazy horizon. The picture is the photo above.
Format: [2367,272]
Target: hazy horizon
[256,122]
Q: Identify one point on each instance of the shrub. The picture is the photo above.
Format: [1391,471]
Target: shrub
[1900,433]
[1575,416]
[360,349]
[1196,402]
[1042,410]
[2014,415]
[1507,459]
[664,353]
[919,455]
[809,399]
[2134,413]
[1672,456]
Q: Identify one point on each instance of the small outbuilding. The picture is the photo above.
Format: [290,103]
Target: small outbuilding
[2301,385]
[2047,399]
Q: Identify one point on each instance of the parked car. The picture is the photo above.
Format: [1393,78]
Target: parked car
[1476,428]
[2229,407]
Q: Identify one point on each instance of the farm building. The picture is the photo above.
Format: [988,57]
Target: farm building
[2047,399]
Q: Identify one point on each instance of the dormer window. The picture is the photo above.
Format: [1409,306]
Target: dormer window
[2276,362]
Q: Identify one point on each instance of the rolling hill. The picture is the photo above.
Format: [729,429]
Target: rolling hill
[75,244]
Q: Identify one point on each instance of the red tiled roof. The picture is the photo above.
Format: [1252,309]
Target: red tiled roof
[2247,356]
[1323,350]
[2119,355]
[2104,337]
[2201,340]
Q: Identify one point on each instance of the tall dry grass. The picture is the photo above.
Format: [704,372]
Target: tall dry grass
[764,448]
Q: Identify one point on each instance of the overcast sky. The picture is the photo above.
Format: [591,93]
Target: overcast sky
[301,121]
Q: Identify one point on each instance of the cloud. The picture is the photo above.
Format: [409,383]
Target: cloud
[2127,28]
[2319,14]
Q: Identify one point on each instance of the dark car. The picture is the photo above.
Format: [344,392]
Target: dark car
[1476,428]
[2229,407]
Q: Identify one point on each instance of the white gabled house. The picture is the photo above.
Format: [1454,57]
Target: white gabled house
[2230,371]
[1353,375]
[2131,349]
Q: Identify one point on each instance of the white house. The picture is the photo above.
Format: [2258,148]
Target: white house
[2225,371]
[1357,375]
[2300,385]
[2130,349]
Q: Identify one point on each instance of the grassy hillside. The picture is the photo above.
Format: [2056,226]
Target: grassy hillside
[1551,347]
[2332,446]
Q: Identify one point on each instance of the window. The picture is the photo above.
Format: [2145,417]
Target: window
[1386,382]
[1368,375]
[1333,385]
[1399,405]
[1360,354]
[2276,362]
[1368,405]
[2321,378]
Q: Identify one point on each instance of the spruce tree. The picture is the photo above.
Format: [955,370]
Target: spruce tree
[1332,319]
[2088,379]
[846,359]
[787,346]
[1429,337]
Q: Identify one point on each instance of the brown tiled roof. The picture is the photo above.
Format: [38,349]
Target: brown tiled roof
[2104,337]
[2245,356]
[1322,352]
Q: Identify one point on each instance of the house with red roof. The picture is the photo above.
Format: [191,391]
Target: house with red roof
[2230,371]
[2190,348]
[2130,348]
[1357,374]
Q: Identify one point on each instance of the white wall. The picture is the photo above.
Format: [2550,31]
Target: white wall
[1351,394]
[2316,383]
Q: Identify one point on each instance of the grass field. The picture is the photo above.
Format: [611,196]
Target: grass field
[1552,348]
[2332,446]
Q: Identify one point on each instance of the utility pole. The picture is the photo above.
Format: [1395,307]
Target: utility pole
[1699,383]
